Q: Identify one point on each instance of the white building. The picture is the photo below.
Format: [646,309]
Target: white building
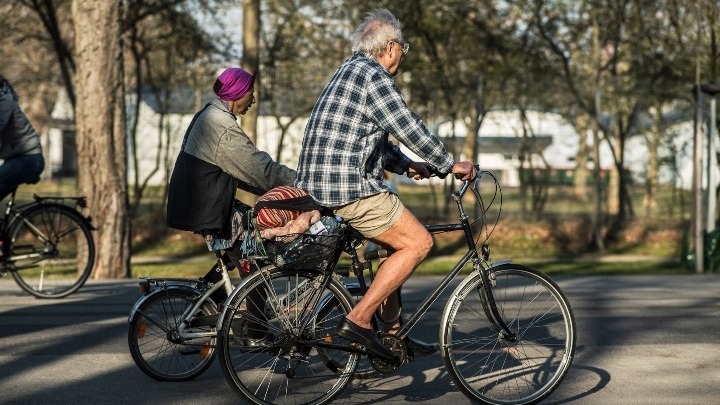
[554,140]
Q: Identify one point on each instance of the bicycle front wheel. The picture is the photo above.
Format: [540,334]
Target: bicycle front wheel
[154,342]
[491,368]
[51,251]
[276,342]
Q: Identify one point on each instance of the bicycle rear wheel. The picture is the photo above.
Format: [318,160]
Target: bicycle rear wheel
[51,251]
[156,351]
[490,369]
[272,335]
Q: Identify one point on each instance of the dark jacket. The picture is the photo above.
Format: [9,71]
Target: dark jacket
[215,159]
[17,136]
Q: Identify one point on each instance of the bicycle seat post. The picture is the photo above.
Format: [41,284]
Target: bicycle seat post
[224,265]
[10,202]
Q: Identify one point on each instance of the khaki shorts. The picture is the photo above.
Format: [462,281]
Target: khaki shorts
[371,216]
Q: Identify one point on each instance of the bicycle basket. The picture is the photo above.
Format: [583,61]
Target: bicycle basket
[305,251]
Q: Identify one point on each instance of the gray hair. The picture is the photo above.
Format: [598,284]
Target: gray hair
[377,29]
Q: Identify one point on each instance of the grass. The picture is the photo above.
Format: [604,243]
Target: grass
[580,266]
[563,230]
[189,268]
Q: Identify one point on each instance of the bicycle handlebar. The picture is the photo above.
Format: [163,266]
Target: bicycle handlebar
[434,172]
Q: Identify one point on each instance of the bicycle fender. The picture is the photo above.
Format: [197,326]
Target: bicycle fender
[444,319]
[500,263]
[162,290]
[40,205]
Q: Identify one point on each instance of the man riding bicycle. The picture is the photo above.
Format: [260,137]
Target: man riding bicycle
[346,150]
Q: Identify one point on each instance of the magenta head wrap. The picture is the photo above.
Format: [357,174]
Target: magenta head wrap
[233,84]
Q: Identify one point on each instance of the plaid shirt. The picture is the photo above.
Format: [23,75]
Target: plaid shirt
[346,145]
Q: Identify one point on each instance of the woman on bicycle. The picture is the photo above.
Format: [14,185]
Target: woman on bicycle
[217,158]
[19,143]
[345,151]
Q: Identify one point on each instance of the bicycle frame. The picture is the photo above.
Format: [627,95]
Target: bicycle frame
[479,264]
[353,241]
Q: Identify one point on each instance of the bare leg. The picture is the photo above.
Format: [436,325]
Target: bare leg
[389,313]
[411,243]
[389,310]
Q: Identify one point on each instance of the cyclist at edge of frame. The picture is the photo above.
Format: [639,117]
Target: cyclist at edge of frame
[345,151]
[20,147]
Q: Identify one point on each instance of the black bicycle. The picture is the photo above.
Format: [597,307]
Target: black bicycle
[507,333]
[47,245]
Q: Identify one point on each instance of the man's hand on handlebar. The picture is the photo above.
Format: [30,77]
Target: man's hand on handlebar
[464,171]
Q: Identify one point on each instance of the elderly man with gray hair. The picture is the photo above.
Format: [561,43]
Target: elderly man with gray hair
[345,151]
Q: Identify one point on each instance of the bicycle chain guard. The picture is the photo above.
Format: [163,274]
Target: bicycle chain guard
[396,346]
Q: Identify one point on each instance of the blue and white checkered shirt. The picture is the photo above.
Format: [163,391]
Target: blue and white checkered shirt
[346,146]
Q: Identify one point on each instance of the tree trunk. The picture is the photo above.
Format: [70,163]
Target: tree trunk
[251,61]
[651,185]
[580,179]
[100,123]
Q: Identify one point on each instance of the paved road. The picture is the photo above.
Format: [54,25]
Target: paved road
[642,340]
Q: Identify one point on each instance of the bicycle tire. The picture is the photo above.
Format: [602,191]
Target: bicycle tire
[67,257]
[151,346]
[287,368]
[491,370]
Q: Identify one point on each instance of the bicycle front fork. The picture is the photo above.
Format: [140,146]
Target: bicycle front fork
[487,299]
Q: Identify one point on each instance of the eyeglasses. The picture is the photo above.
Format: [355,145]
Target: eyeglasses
[404,45]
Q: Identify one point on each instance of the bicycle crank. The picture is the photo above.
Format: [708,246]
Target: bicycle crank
[397,347]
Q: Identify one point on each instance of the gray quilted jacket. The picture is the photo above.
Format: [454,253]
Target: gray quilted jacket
[216,158]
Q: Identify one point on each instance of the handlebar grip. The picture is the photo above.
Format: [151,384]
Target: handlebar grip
[435,172]
[376,254]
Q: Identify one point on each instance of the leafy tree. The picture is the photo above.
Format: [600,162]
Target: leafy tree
[302,43]
[613,51]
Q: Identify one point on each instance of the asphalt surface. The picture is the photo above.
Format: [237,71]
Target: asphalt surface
[642,340]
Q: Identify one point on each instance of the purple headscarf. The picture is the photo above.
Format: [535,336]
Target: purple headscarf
[234,84]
